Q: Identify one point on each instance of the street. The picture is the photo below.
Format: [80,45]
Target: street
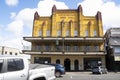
[89,76]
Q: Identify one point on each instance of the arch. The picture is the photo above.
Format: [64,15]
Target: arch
[58,61]
[76,65]
[67,64]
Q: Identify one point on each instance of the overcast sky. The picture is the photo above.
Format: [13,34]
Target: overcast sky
[16,16]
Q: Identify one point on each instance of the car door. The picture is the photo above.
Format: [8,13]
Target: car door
[15,70]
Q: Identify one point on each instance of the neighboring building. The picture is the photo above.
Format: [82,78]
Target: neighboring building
[113,48]
[12,51]
[9,51]
[69,38]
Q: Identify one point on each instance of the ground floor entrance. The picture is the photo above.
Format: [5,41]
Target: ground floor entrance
[89,63]
[67,64]
[70,62]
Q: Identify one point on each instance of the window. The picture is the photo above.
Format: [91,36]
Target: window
[57,61]
[15,53]
[47,47]
[10,53]
[1,64]
[117,49]
[58,48]
[87,48]
[75,33]
[76,48]
[58,33]
[40,33]
[15,64]
[38,48]
[96,48]
[48,33]
[5,52]
[67,33]
[67,47]
[86,33]
[95,33]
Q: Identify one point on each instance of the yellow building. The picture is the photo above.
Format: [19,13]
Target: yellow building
[69,38]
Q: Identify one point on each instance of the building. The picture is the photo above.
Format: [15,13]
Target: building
[69,38]
[4,50]
[9,51]
[113,48]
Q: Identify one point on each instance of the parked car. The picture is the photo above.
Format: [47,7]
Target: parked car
[18,68]
[99,70]
[59,69]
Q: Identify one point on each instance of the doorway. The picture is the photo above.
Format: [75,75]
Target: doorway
[76,65]
[67,64]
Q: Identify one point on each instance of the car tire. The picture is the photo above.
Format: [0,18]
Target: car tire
[57,74]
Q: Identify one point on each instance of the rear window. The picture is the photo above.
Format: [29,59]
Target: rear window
[15,64]
[1,64]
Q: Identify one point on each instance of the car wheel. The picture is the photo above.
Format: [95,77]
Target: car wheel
[57,74]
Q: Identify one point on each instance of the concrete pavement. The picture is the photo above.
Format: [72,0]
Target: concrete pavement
[89,76]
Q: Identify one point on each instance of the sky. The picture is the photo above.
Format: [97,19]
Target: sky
[16,16]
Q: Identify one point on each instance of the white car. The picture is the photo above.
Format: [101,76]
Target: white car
[18,68]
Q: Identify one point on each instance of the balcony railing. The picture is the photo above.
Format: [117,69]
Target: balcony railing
[60,50]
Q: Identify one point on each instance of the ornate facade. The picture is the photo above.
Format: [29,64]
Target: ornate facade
[69,38]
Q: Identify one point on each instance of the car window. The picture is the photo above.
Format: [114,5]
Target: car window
[1,64]
[15,64]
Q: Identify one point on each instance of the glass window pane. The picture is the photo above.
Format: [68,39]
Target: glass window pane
[75,33]
[67,33]
[15,64]
[86,33]
[38,48]
[48,32]
[59,33]
[40,33]
[95,33]
[117,49]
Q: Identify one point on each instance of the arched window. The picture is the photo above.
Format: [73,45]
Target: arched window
[57,61]
[76,65]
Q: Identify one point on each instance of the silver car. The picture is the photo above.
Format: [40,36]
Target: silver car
[99,70]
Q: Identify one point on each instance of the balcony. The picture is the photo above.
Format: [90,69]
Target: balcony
[34,39]
[65,51]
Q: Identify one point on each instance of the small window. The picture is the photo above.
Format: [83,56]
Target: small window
[58,33]
[5,52]
[95,33]
[86,33]
[75,33]
[15,64]
[10,53]
[38,48]
[48,32]
[15,53]
[40,33]
[67,33]
[1,64]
